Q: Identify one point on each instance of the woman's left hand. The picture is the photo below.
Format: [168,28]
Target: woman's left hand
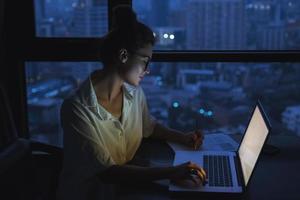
[193,139]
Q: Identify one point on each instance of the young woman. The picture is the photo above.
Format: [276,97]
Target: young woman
[106,119]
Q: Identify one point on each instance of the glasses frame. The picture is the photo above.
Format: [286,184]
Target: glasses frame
[146,69]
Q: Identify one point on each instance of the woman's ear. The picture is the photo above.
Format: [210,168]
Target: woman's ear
[123,55]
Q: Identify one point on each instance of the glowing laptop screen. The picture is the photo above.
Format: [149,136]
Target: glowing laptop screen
[252,143]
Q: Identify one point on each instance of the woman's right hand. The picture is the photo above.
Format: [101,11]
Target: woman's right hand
[189,171]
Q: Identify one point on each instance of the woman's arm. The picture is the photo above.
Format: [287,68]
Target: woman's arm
[165,133]
[135,174]
[192,139]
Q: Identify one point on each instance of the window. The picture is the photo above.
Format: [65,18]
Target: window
[181,90]
[222,25]
[219,97]
[71,18]
[48,83]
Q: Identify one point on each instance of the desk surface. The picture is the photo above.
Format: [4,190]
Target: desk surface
[276,176]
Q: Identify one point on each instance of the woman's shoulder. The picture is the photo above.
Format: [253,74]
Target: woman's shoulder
[75,100]
[83,95]
[69,104]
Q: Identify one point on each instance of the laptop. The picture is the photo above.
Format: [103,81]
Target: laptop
[228,171]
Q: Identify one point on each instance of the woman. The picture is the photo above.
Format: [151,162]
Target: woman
[106,119]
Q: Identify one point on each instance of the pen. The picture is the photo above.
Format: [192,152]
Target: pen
[195,146]
[195,139]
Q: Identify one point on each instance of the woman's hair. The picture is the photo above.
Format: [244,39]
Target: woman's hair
[127,33]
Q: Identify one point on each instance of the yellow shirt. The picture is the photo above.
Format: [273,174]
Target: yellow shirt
[94,139]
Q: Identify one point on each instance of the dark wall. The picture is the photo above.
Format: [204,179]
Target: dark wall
[1,34]
[13,39]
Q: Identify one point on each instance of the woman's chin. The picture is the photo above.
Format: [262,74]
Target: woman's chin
[134,83]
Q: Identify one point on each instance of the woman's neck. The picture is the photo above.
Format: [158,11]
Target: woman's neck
[107,85]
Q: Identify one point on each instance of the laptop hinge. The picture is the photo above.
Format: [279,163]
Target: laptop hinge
[239,172]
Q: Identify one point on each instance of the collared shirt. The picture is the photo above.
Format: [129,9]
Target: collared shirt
[94,139]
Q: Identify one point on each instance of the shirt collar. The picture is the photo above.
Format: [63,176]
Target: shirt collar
[88,98]
[128,90]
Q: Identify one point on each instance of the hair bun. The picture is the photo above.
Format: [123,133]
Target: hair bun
[124,17]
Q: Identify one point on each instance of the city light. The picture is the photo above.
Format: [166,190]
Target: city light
[262,7]
[207,114]
[258,6]
[250,6]
[175,104]
[201,111]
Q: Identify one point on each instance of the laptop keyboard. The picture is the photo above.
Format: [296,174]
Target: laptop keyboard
[218,171]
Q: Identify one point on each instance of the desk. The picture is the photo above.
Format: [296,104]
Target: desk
[275,177]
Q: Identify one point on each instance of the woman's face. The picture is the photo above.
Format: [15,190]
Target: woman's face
[138,63]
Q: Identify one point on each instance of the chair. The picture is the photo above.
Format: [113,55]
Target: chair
[28,170]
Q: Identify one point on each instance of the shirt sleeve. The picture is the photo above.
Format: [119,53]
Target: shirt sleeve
[149,121]
[83,154]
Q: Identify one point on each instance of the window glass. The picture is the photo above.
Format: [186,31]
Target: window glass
[222,24]
[71,18]
[48,83]
[217,97]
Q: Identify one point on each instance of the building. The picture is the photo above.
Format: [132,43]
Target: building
[216,24]
[160,8]
[272,36]
[293,35]
[291,118]
[190,79]
[90,18]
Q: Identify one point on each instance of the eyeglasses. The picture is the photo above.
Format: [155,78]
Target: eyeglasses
[146,70]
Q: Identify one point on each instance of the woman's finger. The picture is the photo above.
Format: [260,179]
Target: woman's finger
[201,176]
[199,133]
[196,167]
[200,173]
[194,179]
[199,142]
[203,172]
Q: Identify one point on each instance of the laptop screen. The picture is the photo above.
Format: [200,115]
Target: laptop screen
[252,143]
